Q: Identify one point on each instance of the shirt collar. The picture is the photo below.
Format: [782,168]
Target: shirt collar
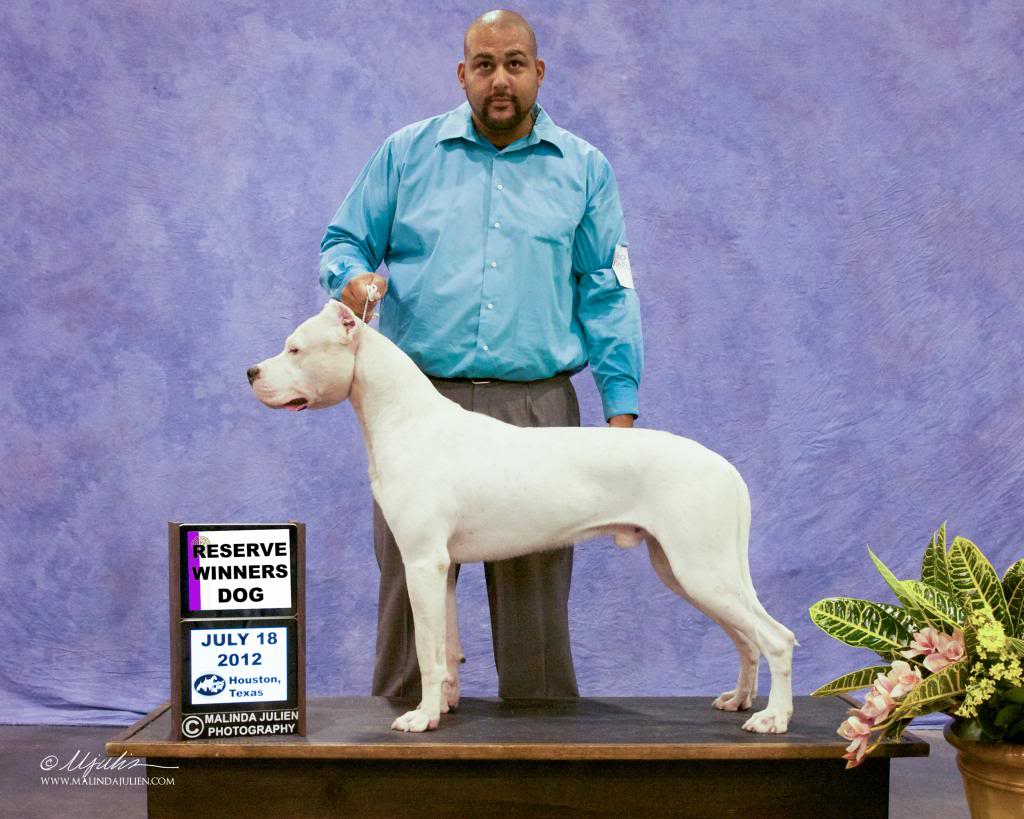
[458,124]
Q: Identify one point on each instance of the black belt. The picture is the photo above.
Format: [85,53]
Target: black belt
[461,380]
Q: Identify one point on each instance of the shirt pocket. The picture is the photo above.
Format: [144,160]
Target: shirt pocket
[553,212]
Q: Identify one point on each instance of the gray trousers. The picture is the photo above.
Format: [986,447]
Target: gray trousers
[528,596]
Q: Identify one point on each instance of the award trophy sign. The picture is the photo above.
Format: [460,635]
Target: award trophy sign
[237,595]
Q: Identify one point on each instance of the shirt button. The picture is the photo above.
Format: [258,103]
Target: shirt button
[501,187]
[497,224]
[486,348]
[494,264]
[490,306]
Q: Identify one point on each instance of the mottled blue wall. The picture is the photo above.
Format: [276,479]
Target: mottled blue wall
[825,210]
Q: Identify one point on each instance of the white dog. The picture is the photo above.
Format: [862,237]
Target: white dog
[457,487]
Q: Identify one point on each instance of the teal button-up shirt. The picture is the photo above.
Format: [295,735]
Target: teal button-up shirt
[500,263]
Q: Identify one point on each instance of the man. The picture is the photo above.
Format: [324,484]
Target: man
[507,270]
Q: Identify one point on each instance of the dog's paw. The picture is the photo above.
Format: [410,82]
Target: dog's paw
[733,701]
[768,721]
[416,722]
[449,695]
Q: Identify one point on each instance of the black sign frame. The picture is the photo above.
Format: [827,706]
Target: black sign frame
[189,704]
[183,621]
[236,613]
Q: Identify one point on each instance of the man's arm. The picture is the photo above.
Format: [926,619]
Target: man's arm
[608,311]
[356,240]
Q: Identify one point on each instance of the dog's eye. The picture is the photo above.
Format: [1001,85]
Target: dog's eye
[293,351]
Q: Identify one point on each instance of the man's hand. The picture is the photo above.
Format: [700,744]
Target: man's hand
[354,294]
[624,421]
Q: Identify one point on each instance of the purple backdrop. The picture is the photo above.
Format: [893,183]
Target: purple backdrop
[825,214]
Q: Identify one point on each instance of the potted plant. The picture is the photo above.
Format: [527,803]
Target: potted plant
[954,644]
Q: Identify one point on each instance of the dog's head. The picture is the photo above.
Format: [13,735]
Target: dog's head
[315,368]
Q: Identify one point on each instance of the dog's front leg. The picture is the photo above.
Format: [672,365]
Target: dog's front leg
[453,646]
[426,579]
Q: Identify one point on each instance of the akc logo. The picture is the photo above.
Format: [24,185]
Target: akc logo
[209,684]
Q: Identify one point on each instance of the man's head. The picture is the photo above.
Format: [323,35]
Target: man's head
[316,367]
[501,74]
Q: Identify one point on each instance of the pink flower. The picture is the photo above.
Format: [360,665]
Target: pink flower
[923,643]
[854,727]
[948,650]
[888,688]
[903,678]
[859,732]
[855,752]
[940,649]
[876,706]
[900,680]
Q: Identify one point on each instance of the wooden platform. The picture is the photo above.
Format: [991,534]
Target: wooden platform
[606,756]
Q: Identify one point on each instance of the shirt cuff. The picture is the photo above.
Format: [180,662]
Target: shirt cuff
[333,282]
[619,397]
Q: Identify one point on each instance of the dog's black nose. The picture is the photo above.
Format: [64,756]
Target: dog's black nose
[253,373]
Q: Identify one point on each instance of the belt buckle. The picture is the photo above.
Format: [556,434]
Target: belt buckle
[479,381]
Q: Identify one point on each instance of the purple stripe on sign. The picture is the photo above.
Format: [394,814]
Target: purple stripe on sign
[195,602]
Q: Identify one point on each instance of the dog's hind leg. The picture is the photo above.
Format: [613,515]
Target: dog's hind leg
[742,696]
[719,589]
[426,578]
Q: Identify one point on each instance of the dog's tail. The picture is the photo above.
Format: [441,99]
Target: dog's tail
[743,534]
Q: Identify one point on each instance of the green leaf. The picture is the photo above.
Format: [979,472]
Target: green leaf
[1013,591]
[1006,715]
[853,681]
[975,583]
[923,604]
[932,692]
[969,729]
[989,732]
[1016,645]
[935,566]
[971,645]
[895,731]
[1016,568]
[861,623]
[914,611]
[1015,695]
[938,605]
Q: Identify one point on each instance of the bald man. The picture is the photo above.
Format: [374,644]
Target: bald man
[505,248]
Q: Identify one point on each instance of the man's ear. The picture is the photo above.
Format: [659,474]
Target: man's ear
[345,318]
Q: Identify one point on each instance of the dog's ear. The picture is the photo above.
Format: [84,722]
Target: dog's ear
[345,318]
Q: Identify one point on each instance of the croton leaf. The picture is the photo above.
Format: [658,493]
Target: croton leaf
[935,566]
[916,608]
[1013,591]
[975,583]
[854,681]
[895,732]
[933,691]
[937,604]
[882,628]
